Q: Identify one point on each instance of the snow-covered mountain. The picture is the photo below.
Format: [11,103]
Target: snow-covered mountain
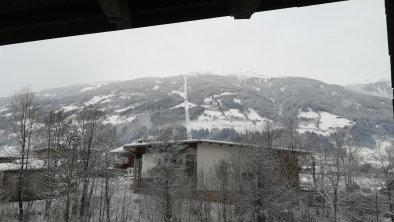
[221,106]
[380,88]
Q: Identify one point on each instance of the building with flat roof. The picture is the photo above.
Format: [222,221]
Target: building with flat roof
[138,158]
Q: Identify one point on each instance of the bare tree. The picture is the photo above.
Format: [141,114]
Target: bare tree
[56,129]
[172,176]
[334,179]
[266,191]
[73,159]
[24,108]
[61,155]
[105,142]
[385,157]
[89,122]
[290,124]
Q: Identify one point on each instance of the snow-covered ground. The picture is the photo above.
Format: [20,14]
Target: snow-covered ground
[69,108]
[306,181]
[223,94]
[15,165]
[124,109]
[183,104]
[232,118]
[181,93]
[8,151]
[7,115]
[117,119]
[322,123]
[370,181]
[309,114]
[95,86]
[49,95]
[329,121]
[377,155]
[3,109]
[250,74]
[309,127]
[214,100]
[236,113]
[253,115]
[98,99]
[366,182]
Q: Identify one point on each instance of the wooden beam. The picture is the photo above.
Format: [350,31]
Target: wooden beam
[117,12]
[243,9]
[390,36]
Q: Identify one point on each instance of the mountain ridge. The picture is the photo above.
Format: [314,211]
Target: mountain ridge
[221,106]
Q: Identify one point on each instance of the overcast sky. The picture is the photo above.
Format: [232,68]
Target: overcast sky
[339,43]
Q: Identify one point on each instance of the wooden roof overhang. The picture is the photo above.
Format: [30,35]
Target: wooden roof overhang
[27,20]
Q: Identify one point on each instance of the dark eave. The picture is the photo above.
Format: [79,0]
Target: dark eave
[31,20]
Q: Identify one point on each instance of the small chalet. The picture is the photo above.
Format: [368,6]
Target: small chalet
[136,159]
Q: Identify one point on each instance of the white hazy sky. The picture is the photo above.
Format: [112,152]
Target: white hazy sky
[338,43]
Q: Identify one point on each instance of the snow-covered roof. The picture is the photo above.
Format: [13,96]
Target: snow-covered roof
[192,141]
[118,150]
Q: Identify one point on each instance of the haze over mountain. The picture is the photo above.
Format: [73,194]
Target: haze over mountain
[221,106]
[380,88]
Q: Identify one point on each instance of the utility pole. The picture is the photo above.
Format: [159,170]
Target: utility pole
[187,115]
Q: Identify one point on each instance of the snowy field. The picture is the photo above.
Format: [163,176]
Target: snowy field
[232,118]
[322,123]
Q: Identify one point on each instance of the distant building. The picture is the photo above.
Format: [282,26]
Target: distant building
[137,160]
[9,176]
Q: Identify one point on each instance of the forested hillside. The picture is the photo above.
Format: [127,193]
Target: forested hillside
[222,106]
